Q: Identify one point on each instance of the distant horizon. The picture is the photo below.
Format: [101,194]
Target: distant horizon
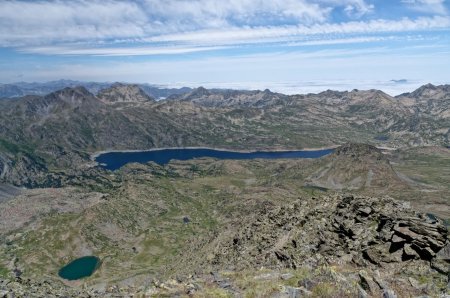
[277,43]
[392,87]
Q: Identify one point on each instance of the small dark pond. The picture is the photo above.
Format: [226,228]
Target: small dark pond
[114,160]
[381,138]
[79,268]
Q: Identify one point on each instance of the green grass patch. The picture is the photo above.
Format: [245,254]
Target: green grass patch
[4,272]
[15,148]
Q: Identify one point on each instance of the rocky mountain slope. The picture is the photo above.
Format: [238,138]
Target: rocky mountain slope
[123,93]
[231,98]
[429,99]
[355,167]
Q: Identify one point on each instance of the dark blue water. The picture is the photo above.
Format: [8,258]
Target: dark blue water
[79,268]
[114,160]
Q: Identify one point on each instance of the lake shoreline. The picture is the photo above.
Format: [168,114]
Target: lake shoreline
[98,153]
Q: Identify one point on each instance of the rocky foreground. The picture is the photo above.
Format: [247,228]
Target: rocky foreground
[383,236]
[361,230]
[332,246]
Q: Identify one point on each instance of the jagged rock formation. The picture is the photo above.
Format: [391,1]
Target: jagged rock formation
[22,169]
[429,92]
[360,230]
[123,93]
[430,100]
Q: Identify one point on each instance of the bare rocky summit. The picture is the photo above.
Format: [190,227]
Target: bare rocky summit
[355,166]
[123,93]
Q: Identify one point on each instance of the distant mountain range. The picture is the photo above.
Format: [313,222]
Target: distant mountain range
[23,88]
[64,127]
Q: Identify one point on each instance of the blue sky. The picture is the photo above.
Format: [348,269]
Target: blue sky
[286,45]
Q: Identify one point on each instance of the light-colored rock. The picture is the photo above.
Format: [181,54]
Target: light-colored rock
[409,251]
[286,276]
[367,283]
[397,239]
[444,253]
[362,293]
[389,294]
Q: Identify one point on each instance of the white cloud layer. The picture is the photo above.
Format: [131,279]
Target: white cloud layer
[212,13]
[295,72]
[26,23]
[42,22]
[23,23]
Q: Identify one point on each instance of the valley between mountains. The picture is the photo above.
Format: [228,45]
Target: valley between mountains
[369,219]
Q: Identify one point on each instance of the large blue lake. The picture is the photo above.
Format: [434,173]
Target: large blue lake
[114,160]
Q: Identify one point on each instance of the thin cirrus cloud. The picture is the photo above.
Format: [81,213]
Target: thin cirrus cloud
[263,33]
[427,6]
[117,51]
[213,39]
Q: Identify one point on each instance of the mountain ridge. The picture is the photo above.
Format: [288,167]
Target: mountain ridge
[77,122]
[18,89]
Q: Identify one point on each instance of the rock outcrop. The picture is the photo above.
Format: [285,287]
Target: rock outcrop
[22,170]
[360,230]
